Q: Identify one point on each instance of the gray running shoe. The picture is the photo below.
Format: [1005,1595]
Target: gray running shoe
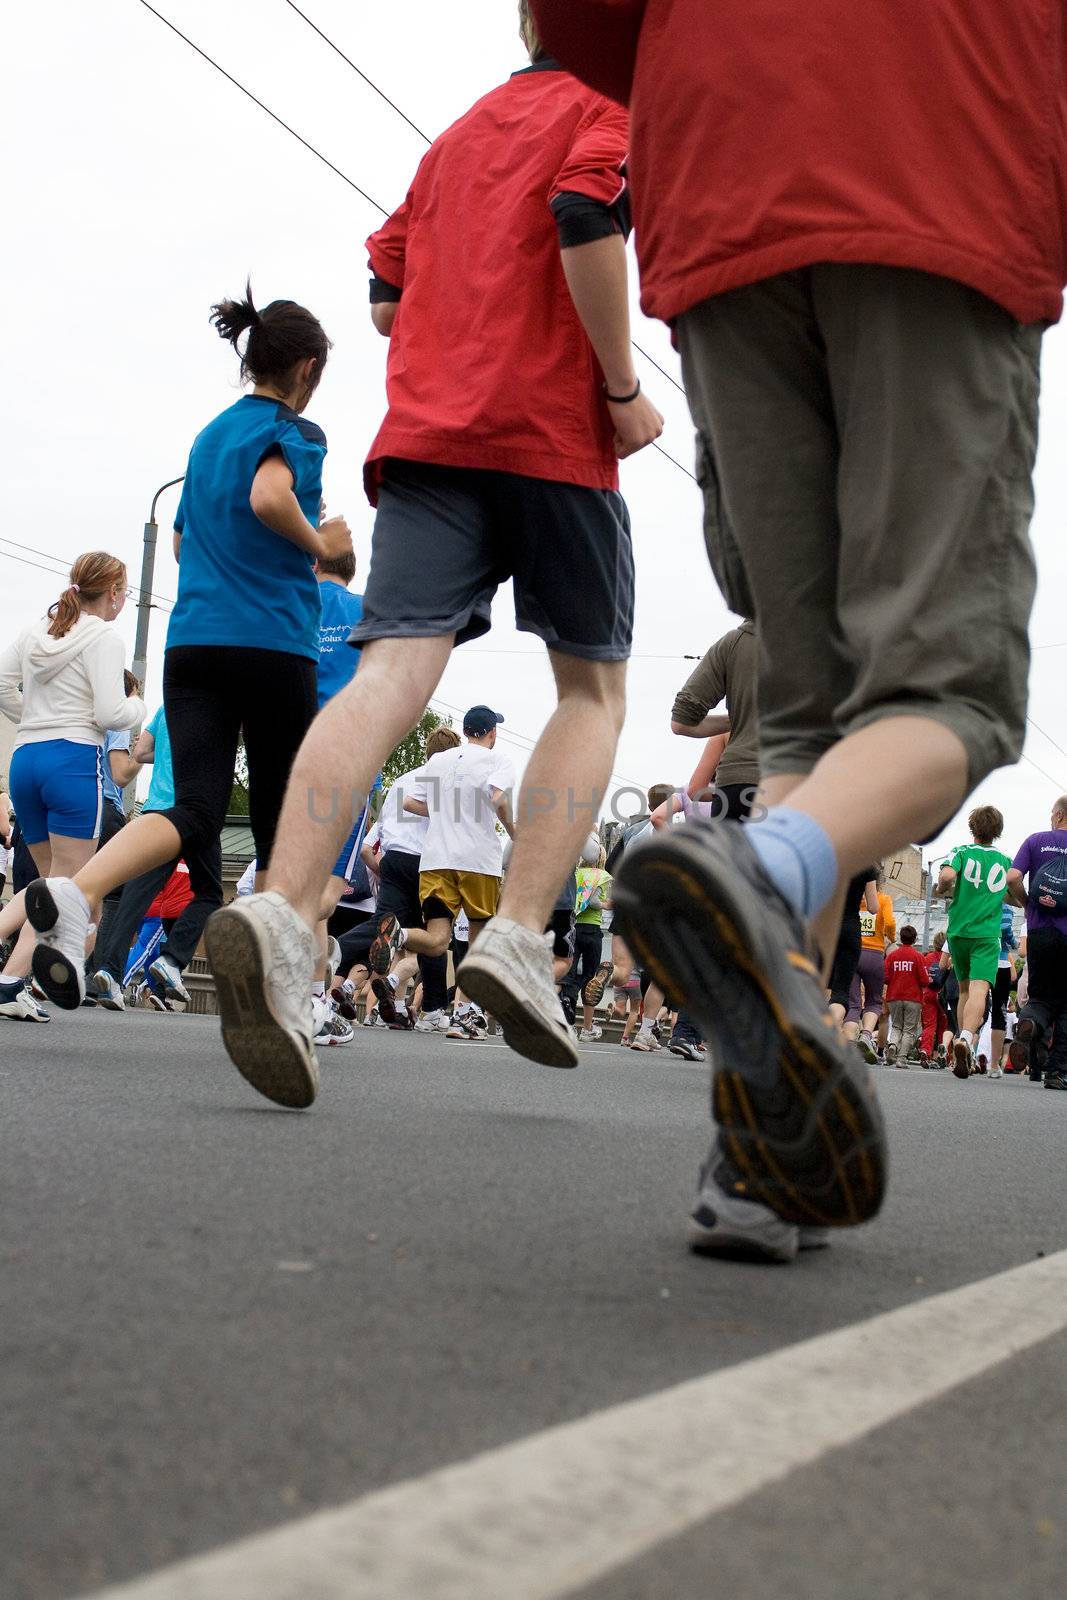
[686,1049]
[262,955]
[868,1047]
[509,972]
[795,1106]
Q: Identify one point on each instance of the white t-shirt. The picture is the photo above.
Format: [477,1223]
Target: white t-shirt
[461,832]
[397,829]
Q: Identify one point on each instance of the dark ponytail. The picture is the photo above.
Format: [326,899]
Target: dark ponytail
[279,336]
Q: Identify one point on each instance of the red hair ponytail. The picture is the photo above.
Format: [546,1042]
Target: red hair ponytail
[91,576]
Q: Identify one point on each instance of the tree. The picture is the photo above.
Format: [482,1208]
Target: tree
[411,752]
[238,806]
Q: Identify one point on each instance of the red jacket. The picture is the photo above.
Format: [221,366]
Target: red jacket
[905,974]
[769,135]
[489,365]
[174,896]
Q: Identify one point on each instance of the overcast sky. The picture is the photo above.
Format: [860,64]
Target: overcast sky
[144,187]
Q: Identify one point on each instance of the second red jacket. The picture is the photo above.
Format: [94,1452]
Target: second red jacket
[768,135]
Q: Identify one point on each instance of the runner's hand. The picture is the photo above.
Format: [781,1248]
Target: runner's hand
[636,424]
[336,537]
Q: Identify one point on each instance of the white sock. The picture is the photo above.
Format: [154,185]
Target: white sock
[391,981]
[968,1038]
[318,989]
[646,1026]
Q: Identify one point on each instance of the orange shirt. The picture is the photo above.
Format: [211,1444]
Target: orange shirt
[877,931]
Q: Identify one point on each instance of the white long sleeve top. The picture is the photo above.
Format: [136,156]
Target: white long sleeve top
[72,687]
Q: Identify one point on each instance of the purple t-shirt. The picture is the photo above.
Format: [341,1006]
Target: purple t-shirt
[1032,854]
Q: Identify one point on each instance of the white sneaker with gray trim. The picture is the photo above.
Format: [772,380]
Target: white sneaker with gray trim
[59,913]
[169,976]
[508,971]
[262,955]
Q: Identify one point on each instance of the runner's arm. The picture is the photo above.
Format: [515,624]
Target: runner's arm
[502,807]
[124,766]
[597,279]
[946,883]
[710,728]
[1016,887]
[274,503]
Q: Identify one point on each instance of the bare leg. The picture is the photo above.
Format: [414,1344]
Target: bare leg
[972,1006]
[148,841]
[576,749]
[863,791]
[342,751]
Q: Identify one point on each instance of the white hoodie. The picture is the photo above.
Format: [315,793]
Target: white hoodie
[71,687]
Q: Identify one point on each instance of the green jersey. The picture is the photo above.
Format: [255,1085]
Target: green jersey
[981,883]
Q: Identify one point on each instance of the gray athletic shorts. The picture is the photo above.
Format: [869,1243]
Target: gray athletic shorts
[446,538]
[866,442]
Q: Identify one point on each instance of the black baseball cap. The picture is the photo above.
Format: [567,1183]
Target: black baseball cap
[479,719]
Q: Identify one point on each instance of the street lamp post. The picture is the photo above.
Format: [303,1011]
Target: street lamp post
[144,609]
[144,603]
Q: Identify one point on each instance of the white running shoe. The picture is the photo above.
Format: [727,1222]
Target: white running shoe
[262,955]
[373,1020]
[59,912]
[996,1072]
[509,972]
[590,1035]
[169,976]
[725,1222]
[18,1003]
[333,961]
[644,1041]
[106,991]
[330,1029]
[433,1022]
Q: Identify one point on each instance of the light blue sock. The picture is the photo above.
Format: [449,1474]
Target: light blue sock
[797,856]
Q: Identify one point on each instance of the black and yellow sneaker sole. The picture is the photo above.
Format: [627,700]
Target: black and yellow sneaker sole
[796,1106]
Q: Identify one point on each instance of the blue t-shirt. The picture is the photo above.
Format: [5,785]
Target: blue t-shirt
[338,660]
[114,739]
[239,583]
[160,795]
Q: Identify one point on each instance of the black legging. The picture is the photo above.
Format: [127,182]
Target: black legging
[1001,990]
[588,947]
[212,694]
[849,943]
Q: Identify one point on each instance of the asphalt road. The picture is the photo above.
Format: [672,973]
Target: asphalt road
[216,1317]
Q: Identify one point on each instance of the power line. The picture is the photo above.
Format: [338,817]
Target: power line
[641,352]
[65,566]
[256,101]
[524,742]
[381,93]
[1047,736]
[367,80]
[1055,783]
[336,169]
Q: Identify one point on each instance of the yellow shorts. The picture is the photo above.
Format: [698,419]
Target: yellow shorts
[476,893]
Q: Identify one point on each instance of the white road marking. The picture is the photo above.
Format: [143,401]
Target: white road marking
[540,1518]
